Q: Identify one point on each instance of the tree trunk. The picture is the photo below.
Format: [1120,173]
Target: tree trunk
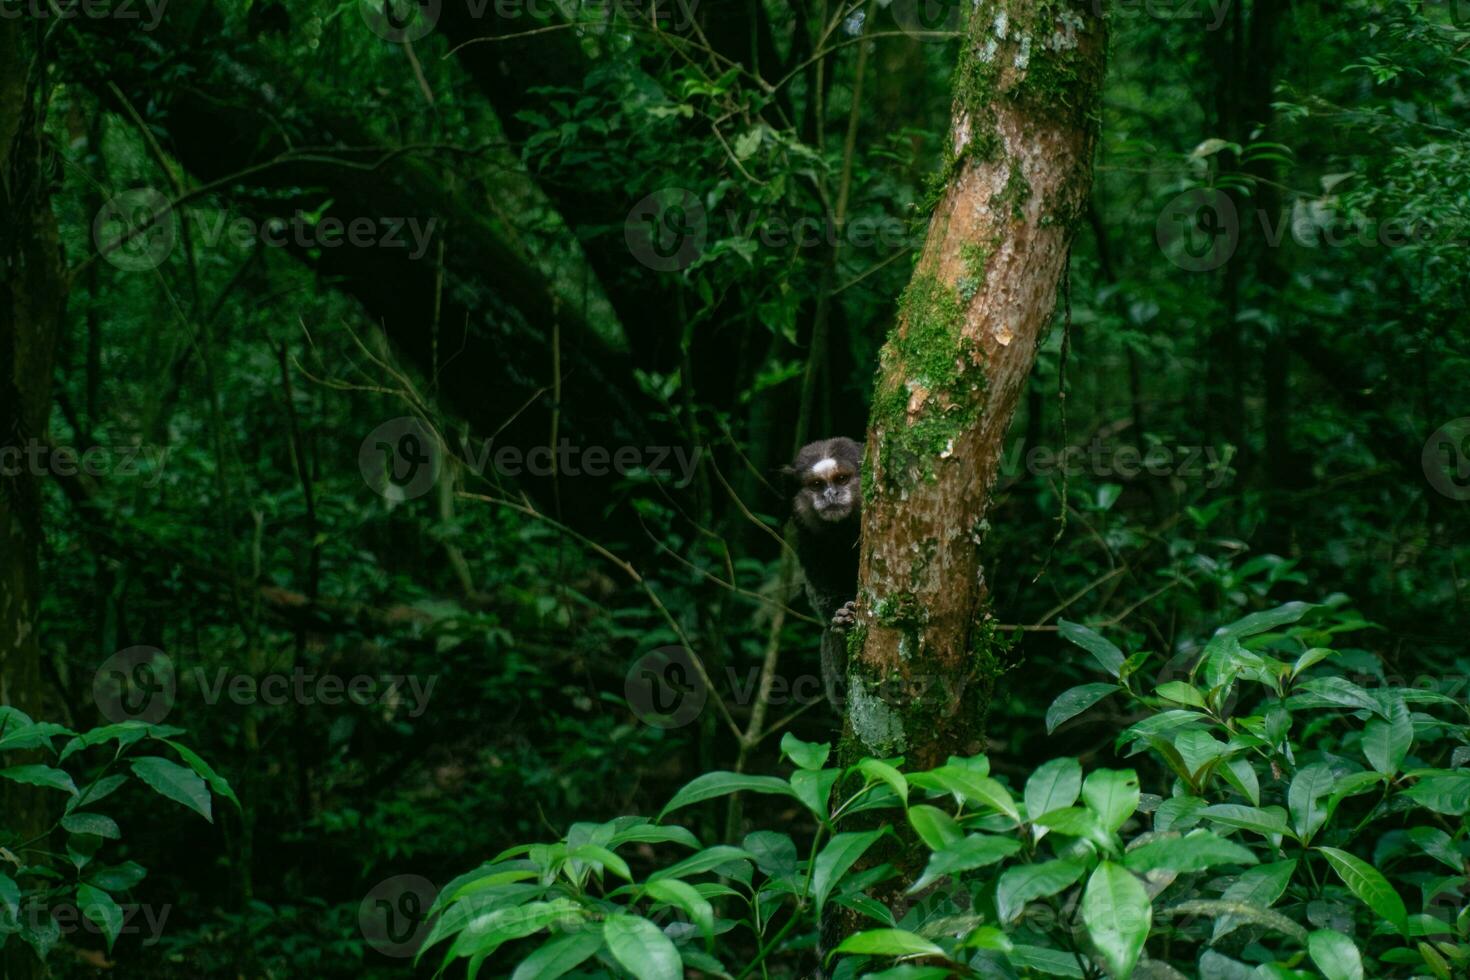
[1023,128]
[32,296]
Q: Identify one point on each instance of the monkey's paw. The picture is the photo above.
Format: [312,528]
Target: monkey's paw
[845,618]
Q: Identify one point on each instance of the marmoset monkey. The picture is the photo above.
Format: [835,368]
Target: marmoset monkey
[826,506]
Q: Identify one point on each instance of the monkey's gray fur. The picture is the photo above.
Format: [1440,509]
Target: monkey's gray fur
[825,482]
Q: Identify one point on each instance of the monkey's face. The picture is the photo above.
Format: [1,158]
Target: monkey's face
[830,491]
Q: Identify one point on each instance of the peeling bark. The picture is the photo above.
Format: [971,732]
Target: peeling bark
[923,658]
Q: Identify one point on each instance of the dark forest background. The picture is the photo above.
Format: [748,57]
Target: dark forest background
[245,373]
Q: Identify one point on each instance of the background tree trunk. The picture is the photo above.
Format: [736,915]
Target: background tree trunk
[923,657]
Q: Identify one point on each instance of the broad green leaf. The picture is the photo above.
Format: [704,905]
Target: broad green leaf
[807,755]
[1366,882]
[647,833]
[1262,622]
[1313,656]
[1197,851]
[973,789]
[836,859]
[98,790]
[1076,821]
[889,942]
[1053,785]
[175,782]
[1443,791]
[1335,955]
[118,878]
[1178,813]
[1263,820]
[1073,701]
[1109,657]
[877,771]
[966,854]
[1386,743]
[705,861]
[1181,692]
[1118,915]
[1029,882]
[1159,724]
[1240,774]
[9,893]
[102,909]
[1337,691]
[1260,887]
[491,926]
[1438,845]
[1198,748]
[687,898]
[91,823]
[38,775]
[814,789]
[559,956]
[641,948]
[216,782]
[1304,799]
[1214,908]
[934,827]
[1113,795]
[1041,959]
[774,853]
[595,855]
[715,784]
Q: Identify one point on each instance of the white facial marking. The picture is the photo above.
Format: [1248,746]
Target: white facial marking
[824,468]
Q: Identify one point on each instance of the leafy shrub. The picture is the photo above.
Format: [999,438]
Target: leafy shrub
[1310,821]
[36,883]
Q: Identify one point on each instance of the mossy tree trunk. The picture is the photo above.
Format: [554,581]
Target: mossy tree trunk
[923,658]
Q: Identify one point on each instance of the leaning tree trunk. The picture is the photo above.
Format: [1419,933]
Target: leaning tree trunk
[923,658]
[32,292]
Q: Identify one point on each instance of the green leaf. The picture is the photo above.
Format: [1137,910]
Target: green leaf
[1267,821]
[1438,845]
[1238,910]
[1304,798]
[100,907]
[1178,813]
[641,948]
[647,833]
[1442,791]
[715,784]
[1313,656]
[836,858]
[1074,821]
[1118,915]
[1198,748]
[598,856]
[1159,724]
[91,823]
[774,853]
[1335,955]
[1073,701]
[1261,622]
[1239,773]
[1053,785]
[1338,692]
[38,775]
[1386,743]
[687,898]
[1109,657]
[1181,692]
[118,878]
[216,782]
[175,782]
[706,860]
[889,942]
[972,788]
[1260,886]
[934,827]
[974,851]
[807,755]
[814,789]
[558,956]
[9,893]
[1113,795]
[1029,882]
[1041,959]
[877,771]
[1372,889]
[1195,852]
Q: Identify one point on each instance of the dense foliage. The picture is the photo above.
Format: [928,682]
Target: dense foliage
[275,510]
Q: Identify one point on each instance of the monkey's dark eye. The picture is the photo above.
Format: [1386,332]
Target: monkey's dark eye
[841,479]
[814,484]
